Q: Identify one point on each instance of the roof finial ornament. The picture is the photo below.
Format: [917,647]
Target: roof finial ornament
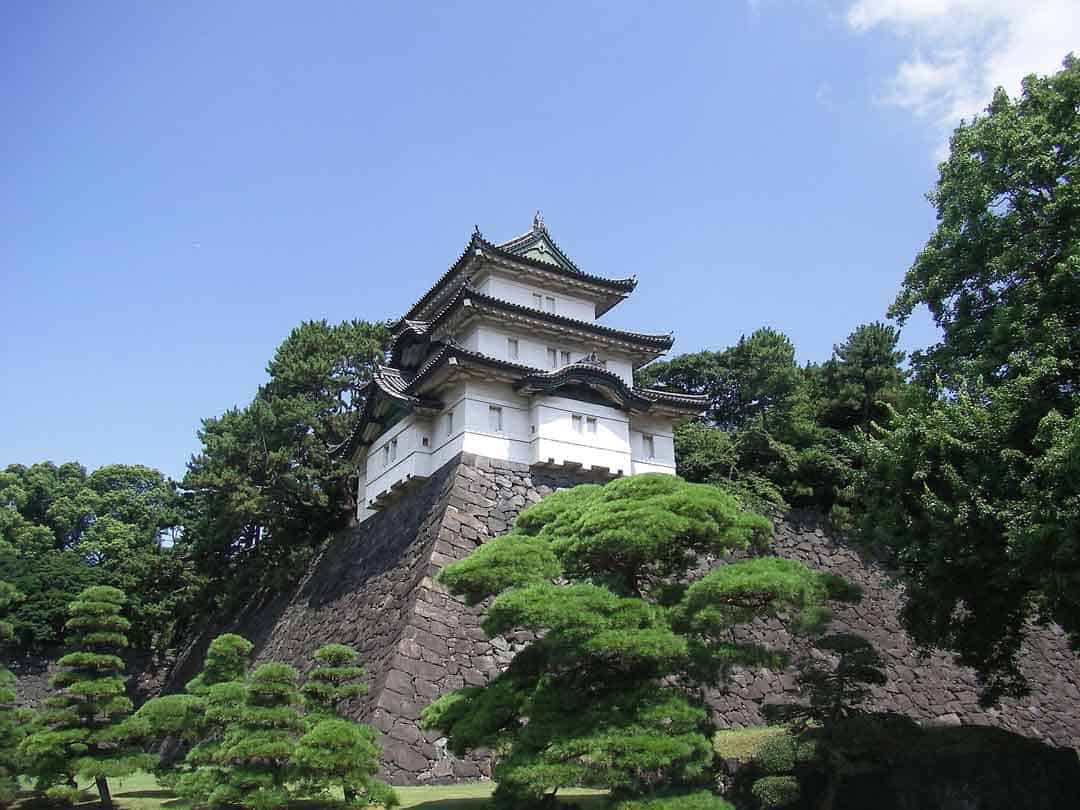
[538,222]
[475,230]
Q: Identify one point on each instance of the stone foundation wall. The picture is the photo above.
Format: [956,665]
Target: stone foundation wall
[373,588]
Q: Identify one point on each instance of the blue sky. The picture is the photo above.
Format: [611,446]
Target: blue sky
[180,187]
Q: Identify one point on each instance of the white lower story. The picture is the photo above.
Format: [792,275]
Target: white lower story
[492,420]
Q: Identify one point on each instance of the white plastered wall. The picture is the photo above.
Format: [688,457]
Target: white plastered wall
[509,289]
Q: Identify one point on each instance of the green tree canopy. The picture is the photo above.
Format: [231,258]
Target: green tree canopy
[606,695]
[977,492]
[66,531]
[265,487]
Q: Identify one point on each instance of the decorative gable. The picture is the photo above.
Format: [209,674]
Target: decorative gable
[538,245]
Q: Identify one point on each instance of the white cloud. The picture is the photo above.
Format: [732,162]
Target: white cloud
[961,50]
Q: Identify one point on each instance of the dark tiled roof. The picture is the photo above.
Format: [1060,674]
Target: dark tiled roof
[478,244]
[658,343]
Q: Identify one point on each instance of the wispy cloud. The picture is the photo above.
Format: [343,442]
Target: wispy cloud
[961,50]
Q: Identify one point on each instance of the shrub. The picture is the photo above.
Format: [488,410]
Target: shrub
[776,791]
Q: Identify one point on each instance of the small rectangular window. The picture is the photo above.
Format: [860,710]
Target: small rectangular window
[393,449]
[590,425]
[576,421]
[553,358]
[386,455]
[495,423]
[424,441]
[512,348]
[449,422]
[538,300]
[564,358]
[648,446]
[550,303]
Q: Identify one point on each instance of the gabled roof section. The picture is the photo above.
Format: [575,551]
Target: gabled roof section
[523,250]
[537,244]
[649,344]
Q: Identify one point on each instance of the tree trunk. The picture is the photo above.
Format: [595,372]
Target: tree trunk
[103,792]
[350,794]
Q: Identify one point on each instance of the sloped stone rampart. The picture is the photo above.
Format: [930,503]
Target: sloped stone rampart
[373,587]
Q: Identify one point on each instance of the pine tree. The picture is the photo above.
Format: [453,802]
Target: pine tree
[197,718]
[256,753]
[337,752]
[608,694]
[81,732]
[335,679]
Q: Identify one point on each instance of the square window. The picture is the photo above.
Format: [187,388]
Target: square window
[648,446]
[564,357]
[550,303]
[590,425]
[576,421]
[495,423]
[512,348]
[553,358]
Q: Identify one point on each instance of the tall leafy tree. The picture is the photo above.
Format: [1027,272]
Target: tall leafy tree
[66,530]
[977,492]
[81,725]
[606,695]
[266,487]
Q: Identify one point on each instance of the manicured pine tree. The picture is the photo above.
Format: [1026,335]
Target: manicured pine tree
[197,718]
[81,725]
[337,752]
[335,679]
[256,753]
[608,694]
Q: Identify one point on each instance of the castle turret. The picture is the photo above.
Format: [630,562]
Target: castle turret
[504,357]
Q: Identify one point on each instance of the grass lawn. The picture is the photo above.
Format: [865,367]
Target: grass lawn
[742,743]
[142,792]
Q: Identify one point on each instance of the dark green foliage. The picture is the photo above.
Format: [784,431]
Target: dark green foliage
[607,695]
[777,434]
[66,531]
[862,378]
[976,492]
[13,722]
[80,729]
[265,488]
